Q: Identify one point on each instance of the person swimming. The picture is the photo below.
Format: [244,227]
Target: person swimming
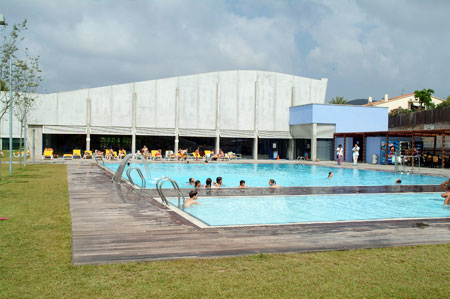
[398,181]
[191,182]
[208,183]
[330,175]
[273,184]
[446,195]
[218,182]
[198,184]
[193,196]
[242,184]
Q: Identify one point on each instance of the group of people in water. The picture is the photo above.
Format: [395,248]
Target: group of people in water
[209,184]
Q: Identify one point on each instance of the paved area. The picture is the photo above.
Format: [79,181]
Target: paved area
[115,223]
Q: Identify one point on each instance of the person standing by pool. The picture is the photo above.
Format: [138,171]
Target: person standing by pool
[273,184]
[193,196]
[355,151]
[339,154]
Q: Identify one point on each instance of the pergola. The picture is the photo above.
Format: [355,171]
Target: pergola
[387,134]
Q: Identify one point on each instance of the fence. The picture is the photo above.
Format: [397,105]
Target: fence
[413,119]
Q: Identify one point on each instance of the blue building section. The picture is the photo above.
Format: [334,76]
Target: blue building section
[346,118]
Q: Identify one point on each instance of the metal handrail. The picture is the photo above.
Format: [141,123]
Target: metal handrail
[175,186]
[129,170]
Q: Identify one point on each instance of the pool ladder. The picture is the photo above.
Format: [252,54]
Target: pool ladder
[175,186]
[129,170]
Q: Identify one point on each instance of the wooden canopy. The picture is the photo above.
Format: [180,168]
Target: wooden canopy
[387,134]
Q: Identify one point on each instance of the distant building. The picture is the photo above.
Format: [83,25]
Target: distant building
[358,102]
[405,101]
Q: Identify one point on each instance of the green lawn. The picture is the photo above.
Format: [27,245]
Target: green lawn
[35,260]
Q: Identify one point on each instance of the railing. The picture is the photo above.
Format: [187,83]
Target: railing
[402,161]
[118,175]
[175,186]
[130,178]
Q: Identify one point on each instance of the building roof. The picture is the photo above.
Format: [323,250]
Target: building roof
[396,98]
[358,102]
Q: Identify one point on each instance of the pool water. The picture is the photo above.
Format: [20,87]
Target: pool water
[286,175]
[245,210]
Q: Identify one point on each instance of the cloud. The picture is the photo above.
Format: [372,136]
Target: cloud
[365,48]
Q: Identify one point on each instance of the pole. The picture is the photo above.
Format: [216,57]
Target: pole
[25,135]
[10,116]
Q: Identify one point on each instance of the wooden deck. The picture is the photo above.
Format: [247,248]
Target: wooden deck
[113,223]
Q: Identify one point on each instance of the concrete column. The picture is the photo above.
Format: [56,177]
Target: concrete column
[255,148]
[291,149]
[35,139]
[88,124]
[217,147]
[314,142]
[177,116]
[133,122]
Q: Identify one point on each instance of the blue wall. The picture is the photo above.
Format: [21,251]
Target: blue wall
[346,117]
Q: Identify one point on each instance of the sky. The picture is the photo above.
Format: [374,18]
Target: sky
[365,48]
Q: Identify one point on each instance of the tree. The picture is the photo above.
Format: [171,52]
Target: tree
[445,103]
[338,101]
[424,98]
[23,79]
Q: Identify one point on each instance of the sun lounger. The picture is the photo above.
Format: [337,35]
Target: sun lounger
[76,154]
[87,155]
[67,157]
[156,155]
[48,154]
[170,156]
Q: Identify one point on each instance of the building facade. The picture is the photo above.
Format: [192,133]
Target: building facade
[246,111]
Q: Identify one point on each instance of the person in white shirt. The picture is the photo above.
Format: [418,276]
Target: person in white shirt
[355,151]
[339,154]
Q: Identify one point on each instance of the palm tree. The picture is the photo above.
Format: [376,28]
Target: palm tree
[338,101]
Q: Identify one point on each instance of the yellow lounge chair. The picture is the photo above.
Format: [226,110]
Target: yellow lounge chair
[155,155]
[76,154]
[67,157]
[48,154]
[207,155]
[87,155]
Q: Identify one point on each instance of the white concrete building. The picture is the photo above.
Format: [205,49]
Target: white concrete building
[405,101]
[246,110]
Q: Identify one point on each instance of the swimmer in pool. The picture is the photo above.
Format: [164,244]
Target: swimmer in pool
[191,182]
[198,184]
[446,186]
[218,182]
[330,175]
[193,195]
[273,184]
[242,184]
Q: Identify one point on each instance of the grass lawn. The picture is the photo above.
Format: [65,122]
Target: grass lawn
[35,260]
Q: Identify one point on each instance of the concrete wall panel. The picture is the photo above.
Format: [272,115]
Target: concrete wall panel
[283,101]
[166,103]
[318,91]
[146,104]
[302,91]
[207,100]
[44,110]
[101,106]
[266,101]
[72,108]
[246,100]
[188,101]
[122,105]
[228,100]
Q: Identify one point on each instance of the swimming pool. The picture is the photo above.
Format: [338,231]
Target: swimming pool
[286,175]
[246,210]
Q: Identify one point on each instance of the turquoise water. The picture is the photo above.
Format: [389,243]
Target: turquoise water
[315,208]
[286,175]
